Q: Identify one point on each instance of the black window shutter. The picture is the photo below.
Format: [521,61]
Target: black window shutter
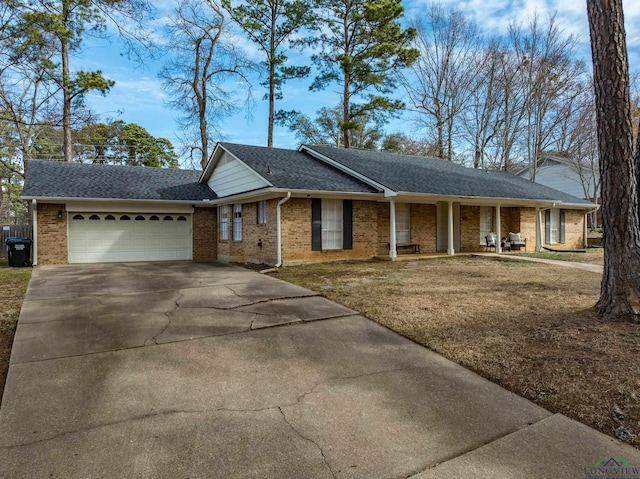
[316,224]
[347,224]
[547,226]
[562,226]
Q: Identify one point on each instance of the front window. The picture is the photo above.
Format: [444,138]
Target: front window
[237,222]
[554,225]
[486,223]
[262,212]
[224,223]
[331,224]
[403,223]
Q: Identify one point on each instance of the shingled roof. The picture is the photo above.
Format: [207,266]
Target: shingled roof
[294,170]
[413,174]
[55,179]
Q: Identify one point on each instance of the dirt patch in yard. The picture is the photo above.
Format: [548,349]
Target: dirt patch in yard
[529,327]
[13,286]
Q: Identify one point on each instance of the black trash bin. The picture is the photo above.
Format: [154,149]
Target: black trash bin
[19,252]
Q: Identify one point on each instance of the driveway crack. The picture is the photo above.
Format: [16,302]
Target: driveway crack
[154,339]
[308,439]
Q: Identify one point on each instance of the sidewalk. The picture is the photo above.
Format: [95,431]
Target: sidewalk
[594,268]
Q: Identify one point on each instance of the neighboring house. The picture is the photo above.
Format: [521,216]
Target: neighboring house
[578,179]
[275,206]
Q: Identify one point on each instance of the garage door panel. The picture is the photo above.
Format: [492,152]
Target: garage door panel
[131,237]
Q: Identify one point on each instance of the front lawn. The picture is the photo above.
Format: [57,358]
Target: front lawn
[13,286]
[529,327]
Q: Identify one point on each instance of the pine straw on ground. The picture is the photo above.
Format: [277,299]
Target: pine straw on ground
[13,286]
[529,327]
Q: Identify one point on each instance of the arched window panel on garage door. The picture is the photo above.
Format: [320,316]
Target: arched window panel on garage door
[118,239]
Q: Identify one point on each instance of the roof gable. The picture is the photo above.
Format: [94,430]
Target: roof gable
[229,175]
[283,169]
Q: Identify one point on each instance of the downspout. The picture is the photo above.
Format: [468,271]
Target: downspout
[279,226]
[34,240]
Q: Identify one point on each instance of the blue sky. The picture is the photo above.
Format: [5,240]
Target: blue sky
[138,96]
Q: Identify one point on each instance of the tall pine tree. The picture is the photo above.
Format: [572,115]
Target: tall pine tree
[362,46]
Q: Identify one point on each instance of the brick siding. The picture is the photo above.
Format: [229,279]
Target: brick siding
[52,234]
[423,227]
[296,233]
[260,241]
[470,229]
[573,230]
[205,233]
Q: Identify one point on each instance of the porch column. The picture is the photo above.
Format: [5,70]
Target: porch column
[393,253]
[450,249]
[538,231]
[498,229]
[586,232]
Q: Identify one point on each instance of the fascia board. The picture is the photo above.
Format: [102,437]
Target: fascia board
[270,193]
[480,200]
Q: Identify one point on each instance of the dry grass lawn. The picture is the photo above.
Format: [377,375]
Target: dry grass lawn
[13,286]
[529,327]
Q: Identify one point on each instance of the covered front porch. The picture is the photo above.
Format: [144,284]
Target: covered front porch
[416,226]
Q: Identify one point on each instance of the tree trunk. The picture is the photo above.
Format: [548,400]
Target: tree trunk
[204,137]
[67,144]
[272,75]
[620,290]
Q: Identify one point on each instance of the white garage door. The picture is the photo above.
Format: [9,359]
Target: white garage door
[122,237]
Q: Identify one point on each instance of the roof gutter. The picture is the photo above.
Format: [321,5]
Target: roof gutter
[272,192]
[488,200]
[60,199]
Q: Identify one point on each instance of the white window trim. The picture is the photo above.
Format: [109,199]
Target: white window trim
[224,223]
[237,222]
[332,228]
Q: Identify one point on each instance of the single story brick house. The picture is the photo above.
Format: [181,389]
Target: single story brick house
[277,206]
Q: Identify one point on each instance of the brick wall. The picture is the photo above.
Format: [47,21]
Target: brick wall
[470,228]
[423,227]
[383,229]
[573,229]
[528,227]
[229,250]
[52,234]
[205,233]
[296,233]
[260,241]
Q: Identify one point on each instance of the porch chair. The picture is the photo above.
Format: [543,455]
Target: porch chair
[491,241]
[516,241]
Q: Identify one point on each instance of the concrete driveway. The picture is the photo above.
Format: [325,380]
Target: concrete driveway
[203,370]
